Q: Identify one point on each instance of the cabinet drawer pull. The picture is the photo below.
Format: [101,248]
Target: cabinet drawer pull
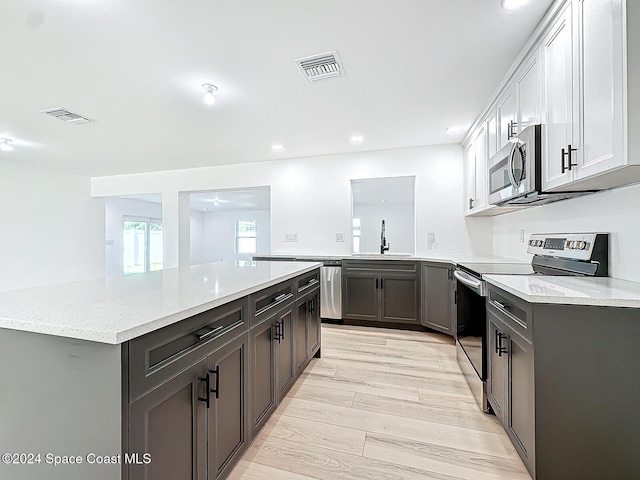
[207,386]
[276,300]
[309,284]
[210,333]
[217,373]
[504,306]
[501,349]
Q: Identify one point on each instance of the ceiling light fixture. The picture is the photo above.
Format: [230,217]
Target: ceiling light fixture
[357,139]
[453,129]
[5,144]
[513,4]
[209,91]
[277,148]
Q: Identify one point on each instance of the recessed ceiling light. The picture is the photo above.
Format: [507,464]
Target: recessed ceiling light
[513,4]
[357,139]
[277,148]
[453,129]
[209,93]
[5,144]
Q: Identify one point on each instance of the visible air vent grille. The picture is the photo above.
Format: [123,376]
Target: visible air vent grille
[65,115]
[319,67]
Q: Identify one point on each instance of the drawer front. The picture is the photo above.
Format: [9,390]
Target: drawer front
[157,356]
[513,311]
[386,266]
[266,302]
[307,282]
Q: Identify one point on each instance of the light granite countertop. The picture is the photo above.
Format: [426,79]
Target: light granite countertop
[116,309]
[436,258]
[596,291]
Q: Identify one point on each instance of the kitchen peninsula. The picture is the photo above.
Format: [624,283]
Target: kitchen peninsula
[92,371]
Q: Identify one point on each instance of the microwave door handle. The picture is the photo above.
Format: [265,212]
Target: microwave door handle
[512,177]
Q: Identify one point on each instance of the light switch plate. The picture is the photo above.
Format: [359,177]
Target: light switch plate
[521,235]
[339,237]
[290,237]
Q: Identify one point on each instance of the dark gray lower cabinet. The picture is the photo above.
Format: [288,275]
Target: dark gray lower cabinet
[170,424]
[198,391]
[381,291]
[497,369]
[438,300]
[228,426]
[194,425]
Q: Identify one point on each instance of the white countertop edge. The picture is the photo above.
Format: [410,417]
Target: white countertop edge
[579,299]
[118,337]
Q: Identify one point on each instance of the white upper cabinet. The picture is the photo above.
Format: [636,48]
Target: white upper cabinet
[492,133]
[557,61]
[529,93]
[480,147]
[507,115]
[600,64]
[470,178]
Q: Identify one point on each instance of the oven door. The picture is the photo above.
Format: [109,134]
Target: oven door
[471,327]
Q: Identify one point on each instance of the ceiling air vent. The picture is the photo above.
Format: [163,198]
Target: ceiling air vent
[319,67]
[65,115]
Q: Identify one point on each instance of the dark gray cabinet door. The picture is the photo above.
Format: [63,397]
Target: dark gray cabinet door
[497,366]
[227,415]
[360,296]
[301,332]
[169,423]
[438,301]
[263,369]
[315,323]
[286,371]
[520,412]
[400,299]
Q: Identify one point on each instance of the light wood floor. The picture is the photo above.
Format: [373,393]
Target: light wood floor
[381,404]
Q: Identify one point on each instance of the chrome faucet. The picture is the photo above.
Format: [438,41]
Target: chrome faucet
[384,246]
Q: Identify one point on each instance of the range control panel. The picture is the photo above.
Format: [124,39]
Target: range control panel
[575,246]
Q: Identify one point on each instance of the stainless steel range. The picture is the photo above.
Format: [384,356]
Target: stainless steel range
[585,254]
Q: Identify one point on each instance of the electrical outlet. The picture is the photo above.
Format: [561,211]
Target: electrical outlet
[431,238]
[290,237]
[339,237]
[521,235]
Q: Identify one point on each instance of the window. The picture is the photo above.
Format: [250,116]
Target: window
[356,235]
[246,239]
[142,245]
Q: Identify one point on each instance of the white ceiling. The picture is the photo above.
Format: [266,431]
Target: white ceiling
[413,68]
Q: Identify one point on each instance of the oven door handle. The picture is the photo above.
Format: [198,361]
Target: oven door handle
[469,281]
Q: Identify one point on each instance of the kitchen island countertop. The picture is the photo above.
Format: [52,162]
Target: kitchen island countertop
[114,310]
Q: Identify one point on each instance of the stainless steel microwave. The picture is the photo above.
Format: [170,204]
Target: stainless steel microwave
[515,172]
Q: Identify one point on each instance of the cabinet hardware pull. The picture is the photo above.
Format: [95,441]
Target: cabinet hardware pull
[501,349]
[310,283]
[207,385]
[209,333]
[381,283]
[277,326]
[280,297]
[497,340]
[470,203]
[571,164]
[217,389]
[564,154]
[310,305]
[282,329]
[376,283]
[503,305]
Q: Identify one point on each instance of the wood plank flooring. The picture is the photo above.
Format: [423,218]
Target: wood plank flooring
[381,404]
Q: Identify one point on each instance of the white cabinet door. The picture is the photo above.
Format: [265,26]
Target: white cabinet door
[558,102]
[480,144]
[507,111]
[529,93]
[470,178]
[599,41]
[492,134]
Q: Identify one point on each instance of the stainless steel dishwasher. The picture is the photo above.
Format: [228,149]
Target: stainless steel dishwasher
[331,289]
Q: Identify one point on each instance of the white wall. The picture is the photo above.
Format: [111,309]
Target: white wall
[218,235]
[115,211]
[51,231]
[399,227]
[196,237]
[312,197]
[614,211]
